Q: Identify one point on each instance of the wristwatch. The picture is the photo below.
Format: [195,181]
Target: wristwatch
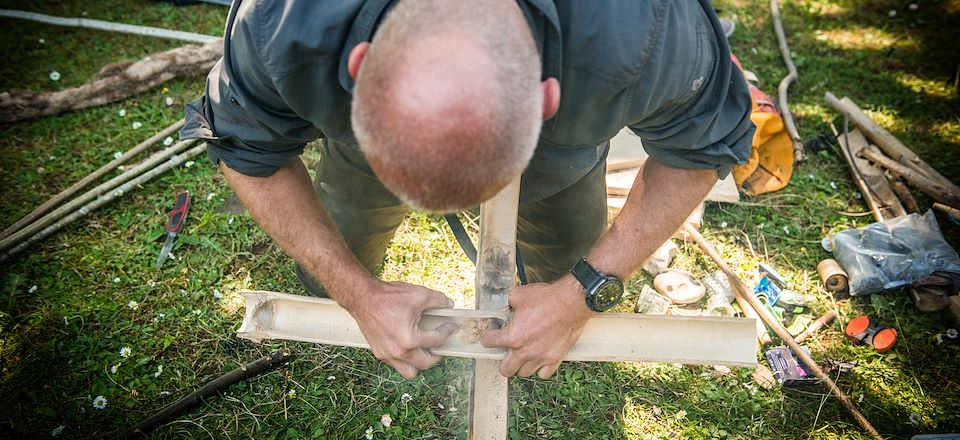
[602,291]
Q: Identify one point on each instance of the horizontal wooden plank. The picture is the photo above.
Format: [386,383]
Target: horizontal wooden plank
[607,337]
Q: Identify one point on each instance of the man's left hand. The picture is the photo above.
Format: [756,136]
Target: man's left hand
[547,321]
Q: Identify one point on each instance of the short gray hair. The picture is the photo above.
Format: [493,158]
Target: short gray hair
[459,160]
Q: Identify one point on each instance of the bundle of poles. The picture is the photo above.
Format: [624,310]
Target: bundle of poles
[66,207]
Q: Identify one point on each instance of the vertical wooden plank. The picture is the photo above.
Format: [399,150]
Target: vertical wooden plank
[496,275]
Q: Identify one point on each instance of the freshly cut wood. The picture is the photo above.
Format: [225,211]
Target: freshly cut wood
[619,183]
[699,340]
[928,186]
[620,164]
[113,83]
[496,276]
[870,179]
[888,142]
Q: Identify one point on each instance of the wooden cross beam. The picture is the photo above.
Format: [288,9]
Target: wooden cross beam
[607,337]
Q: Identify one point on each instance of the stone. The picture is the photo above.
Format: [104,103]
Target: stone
[680,286]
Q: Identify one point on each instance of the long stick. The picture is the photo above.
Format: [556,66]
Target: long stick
[57,199]
[124,28]
[214,387]
[98,191]
[496,276]
[771,321]
[929,187]
[102,200]
[798,154]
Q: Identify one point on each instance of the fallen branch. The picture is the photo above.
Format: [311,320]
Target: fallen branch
[792,75]
[214,387]
[114,82]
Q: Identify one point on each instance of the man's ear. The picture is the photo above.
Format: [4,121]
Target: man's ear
[551,97]
[356,58]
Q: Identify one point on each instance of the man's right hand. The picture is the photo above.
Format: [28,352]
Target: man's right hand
[388,314]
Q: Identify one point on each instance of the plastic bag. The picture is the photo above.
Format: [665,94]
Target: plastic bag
[894,253]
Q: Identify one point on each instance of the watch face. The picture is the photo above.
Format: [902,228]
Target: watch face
[607,295]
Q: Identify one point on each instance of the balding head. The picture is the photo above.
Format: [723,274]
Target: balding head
[447,105]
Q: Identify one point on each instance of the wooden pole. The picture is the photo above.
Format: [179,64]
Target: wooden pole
[496,276]
[103,199]
[741,290]
[888,142]
[59,198]
[928,186]
[98,191]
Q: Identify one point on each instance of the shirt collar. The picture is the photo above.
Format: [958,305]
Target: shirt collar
[541,16]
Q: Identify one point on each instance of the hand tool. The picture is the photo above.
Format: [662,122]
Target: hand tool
[177,215]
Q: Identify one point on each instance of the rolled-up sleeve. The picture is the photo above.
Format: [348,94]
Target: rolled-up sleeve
[702,119]
[246,123]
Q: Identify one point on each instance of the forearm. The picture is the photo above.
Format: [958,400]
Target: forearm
[285,205]
[660,200]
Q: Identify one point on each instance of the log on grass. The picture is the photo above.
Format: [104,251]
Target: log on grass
[114,82]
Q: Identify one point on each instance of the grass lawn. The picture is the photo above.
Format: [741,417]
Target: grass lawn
[71,303]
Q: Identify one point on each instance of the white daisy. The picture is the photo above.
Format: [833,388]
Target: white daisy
[115,368]
[117,154]
[54,76]
[133,305]
[136,125]
[168,101]
[122,112]
[406,397]
[99,402]
[681,414]
[369,433]
[125,352]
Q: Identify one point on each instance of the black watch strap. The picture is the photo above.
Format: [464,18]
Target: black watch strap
[586,274]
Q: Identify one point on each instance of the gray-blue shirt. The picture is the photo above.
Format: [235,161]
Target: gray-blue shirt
[660,67]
